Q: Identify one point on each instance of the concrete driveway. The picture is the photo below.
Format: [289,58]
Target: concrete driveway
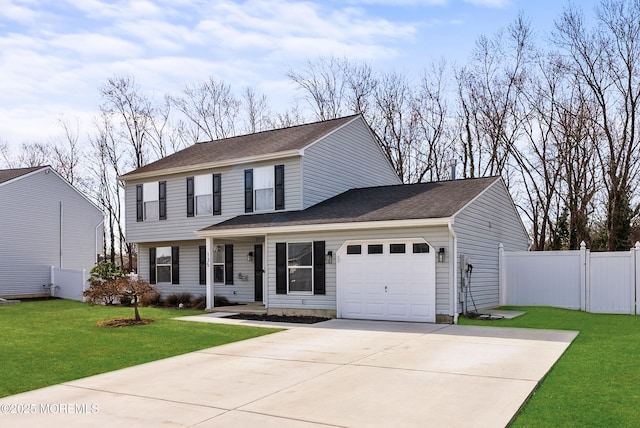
[339,373]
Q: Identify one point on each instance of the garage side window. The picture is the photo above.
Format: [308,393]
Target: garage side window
[420,247]
[300,268]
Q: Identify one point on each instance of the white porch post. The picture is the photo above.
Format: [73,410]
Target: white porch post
[209,277]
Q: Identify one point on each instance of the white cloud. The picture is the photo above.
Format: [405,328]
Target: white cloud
[489,3]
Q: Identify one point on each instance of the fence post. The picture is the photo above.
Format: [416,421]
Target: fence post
[502,278]
[53,276]
[584,277]
[84,284]
[636,276]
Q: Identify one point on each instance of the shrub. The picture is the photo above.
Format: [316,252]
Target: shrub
[174,300]
[199,302]
[104,285]
[151,299]
[124,287]
[220,301]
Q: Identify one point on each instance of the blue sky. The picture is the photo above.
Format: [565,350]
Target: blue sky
[55,54]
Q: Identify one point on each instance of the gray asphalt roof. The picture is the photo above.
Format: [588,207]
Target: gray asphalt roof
[10,174]
[440,199]
[259,143]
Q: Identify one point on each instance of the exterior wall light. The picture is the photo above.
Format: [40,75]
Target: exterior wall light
[329,258]
[441,255]
[250,256]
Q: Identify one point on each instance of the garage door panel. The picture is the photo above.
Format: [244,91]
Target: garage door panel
[398,286]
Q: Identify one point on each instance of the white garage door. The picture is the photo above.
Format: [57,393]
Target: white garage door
[386,280]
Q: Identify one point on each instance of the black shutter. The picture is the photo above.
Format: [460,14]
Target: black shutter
[152,265]
[162,200]
[228,264]
[175,265]
[139,203]
[217,194]
[281,268]
[190,192]
[318,268]
[248,190]
[279,186]
[202,263]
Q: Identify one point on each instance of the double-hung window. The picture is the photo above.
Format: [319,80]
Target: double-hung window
[223,264]
[264,188]
[164,265]
[151,201]
[204,195]
[300,268]
[203,190]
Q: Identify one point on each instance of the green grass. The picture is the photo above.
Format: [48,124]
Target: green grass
[52,341]
[596,383]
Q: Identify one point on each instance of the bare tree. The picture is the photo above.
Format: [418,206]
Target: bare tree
[257,110]
[210,108]
[607,63]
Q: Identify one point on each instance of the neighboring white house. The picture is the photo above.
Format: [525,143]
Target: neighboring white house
[312,219]
[44,222]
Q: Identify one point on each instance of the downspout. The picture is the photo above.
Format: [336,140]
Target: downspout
[453,271]
[95,235]
[61,232]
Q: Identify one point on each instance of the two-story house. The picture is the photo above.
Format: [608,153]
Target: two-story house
[313,219]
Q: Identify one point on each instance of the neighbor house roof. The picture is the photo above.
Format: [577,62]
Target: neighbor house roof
[10,174]
[248,146]
[434,200]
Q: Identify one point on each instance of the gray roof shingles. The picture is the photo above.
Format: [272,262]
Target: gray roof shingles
[259,143]
[10,174]
[440,199]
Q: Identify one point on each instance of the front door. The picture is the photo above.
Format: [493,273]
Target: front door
[259,272]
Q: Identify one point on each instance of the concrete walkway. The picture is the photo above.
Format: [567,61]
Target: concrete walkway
[339,373]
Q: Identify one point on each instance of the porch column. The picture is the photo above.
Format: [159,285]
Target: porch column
[209,276]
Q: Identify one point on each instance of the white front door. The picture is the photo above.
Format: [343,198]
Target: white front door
[386,280]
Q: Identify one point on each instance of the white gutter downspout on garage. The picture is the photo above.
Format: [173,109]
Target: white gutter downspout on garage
[453,271]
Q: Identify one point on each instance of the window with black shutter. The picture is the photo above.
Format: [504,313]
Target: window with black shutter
[281,268]
[190,195]
[139,203]
[228,264]
[279,187]
[152,265]
[162,200]
[217,194]
[318,268]
[175,265]
[248,190]
[202,264]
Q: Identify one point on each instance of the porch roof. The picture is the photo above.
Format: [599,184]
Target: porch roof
[435,201]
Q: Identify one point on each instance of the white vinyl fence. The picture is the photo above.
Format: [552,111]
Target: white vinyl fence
[69,283]
[594,282]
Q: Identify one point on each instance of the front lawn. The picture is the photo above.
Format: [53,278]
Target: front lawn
[52,341]
[596,383]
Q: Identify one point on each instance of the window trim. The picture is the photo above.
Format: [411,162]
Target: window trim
[309,267]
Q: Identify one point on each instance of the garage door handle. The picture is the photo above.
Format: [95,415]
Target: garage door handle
[385,288]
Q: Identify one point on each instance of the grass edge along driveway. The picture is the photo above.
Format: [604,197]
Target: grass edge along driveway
[52,341]
[596,382]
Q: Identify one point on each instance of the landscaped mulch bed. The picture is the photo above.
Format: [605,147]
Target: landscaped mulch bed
[279,318]
[123,322]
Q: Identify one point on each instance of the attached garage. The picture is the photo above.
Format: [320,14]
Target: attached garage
[386,280]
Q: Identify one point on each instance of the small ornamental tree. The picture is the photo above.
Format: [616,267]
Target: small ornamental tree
[134,289]
[109,283]
[104,285]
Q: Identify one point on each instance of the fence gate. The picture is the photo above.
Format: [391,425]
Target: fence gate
[607,282]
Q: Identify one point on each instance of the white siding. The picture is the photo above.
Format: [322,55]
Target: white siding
[436,236]
[491,219]
[242,289]
[30,231]
[346,159]
[178,226]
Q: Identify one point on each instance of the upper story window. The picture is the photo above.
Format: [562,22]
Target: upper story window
[151,201]
[264,188]
[204,195]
